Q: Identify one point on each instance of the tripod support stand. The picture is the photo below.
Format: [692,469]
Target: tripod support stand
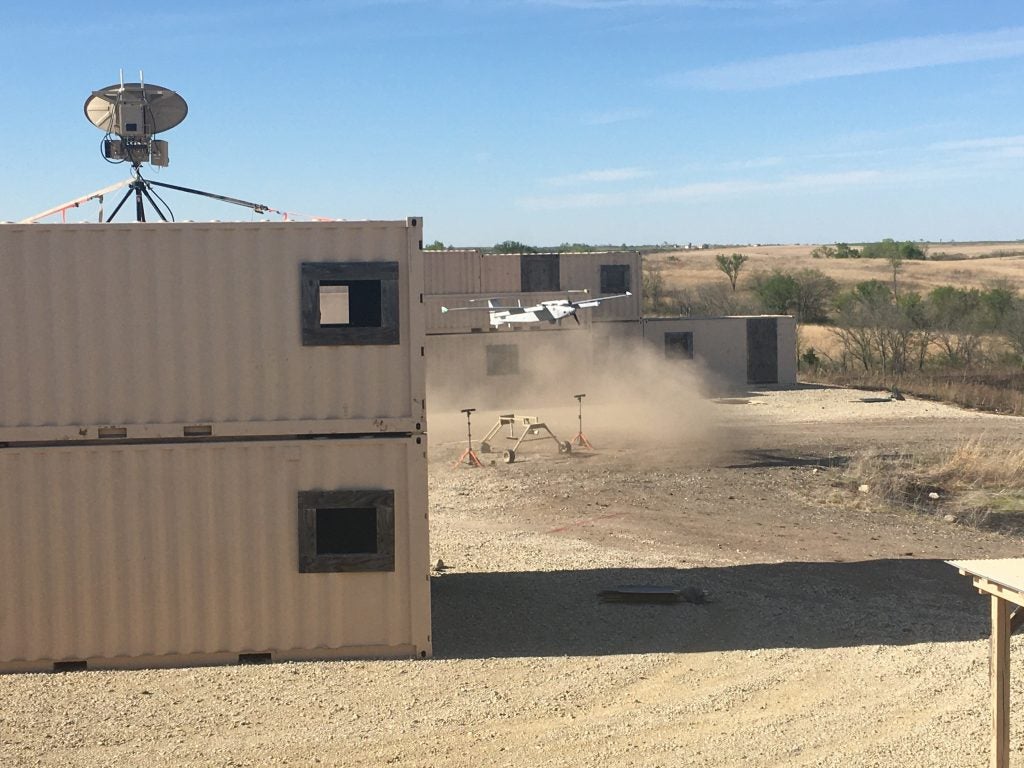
[140,187]
[469,456]
[581,439]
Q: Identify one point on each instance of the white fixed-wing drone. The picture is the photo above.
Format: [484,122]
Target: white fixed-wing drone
[552,311]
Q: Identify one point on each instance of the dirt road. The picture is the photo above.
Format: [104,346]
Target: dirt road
[833,634]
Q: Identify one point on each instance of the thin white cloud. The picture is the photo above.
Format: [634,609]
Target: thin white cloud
[612,4]
[600,5]
[996,142]
[616,116]
[705,190]
[870,58]
[599,176]
[754,163]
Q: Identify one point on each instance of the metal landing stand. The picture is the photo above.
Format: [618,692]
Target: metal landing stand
[531,426]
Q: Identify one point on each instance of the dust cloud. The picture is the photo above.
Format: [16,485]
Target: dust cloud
[634,397]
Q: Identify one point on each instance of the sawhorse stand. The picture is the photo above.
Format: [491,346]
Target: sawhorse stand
[469,456]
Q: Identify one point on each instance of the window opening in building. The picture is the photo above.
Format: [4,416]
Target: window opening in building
[539,272]
[353,303]
[349,303]
[679,345]
[346,531]
[614,278]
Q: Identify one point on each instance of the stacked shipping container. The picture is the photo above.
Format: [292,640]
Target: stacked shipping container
[212,443]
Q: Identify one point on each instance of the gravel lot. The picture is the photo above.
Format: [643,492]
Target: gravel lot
[833,634]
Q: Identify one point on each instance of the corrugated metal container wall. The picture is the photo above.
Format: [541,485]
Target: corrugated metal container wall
[179,554]
[464,321]
[451,272]
[584,270]
[175,324]
[500,273]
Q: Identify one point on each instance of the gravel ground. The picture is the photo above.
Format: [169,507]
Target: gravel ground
[833,635]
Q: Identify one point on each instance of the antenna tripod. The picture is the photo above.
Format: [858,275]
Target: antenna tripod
[469,455]
[130,116]
[581,439]
[140,187]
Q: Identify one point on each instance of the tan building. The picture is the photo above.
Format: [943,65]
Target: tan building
[738,351]
[212,443]
[501,366]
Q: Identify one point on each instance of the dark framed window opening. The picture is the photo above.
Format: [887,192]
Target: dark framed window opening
[614,278]
[502,359]
[539,272]
[679,345]
[349,303]
[341,531]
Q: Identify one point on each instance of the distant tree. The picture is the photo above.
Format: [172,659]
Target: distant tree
[776,291]
[807,294]
[714,299]
[957,316]
[1013,328]
[576,248]
[998,301]
[731,266]
[885,249]
[895,259]
[437,245]
[837,251]
[512,246]
[815,292]
[862,314]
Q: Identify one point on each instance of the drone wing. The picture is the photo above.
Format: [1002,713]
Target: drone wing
[596,302]
[491,306]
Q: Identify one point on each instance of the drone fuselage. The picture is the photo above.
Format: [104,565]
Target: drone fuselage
[546,311]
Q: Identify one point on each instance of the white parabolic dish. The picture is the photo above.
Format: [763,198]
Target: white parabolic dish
[163,108]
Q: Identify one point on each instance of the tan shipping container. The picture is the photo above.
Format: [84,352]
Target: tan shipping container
[158,555]
[500,273]
[451,272]
[147,330]
[603,274]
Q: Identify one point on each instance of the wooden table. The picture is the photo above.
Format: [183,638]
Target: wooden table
[1003,580]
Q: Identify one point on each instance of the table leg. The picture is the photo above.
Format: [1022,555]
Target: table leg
[999,669]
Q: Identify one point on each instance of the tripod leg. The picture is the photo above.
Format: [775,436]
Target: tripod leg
[155,206]
[140,212]
[118,208]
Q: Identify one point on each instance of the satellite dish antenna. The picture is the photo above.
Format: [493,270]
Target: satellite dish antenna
[130,115]
[135,109]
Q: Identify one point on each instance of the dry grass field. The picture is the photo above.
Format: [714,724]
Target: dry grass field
[981,264]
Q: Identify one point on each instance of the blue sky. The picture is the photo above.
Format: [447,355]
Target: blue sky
[546,121]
